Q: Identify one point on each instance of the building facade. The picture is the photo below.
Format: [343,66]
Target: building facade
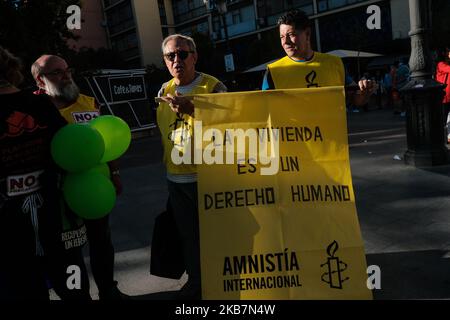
[248,28]
[92,33]
[134,30]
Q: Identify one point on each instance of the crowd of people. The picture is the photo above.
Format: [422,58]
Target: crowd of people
[34,221]
[399,75]
[390,81]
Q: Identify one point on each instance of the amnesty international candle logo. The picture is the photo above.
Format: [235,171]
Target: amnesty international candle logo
[180,134]
[334,276]
[310,77]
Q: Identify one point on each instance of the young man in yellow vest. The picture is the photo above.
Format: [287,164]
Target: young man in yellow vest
[54,78]
[175,116]
[304,68]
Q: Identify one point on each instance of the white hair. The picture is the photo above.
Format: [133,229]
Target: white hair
[69,92]
[190,42]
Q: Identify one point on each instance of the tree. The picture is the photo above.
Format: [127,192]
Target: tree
[265,49]
[155,77]
[32,28]
[205,49]
[88,59]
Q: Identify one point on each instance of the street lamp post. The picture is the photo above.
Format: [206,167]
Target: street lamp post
[423,97]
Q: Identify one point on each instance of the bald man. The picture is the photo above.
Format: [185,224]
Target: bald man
[53,77]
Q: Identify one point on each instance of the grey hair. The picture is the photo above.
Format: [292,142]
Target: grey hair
[190,42]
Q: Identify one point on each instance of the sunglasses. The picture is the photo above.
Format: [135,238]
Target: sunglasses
[181,54]
[59,72]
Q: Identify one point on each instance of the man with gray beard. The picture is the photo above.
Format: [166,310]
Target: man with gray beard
[54,78]
[61,94]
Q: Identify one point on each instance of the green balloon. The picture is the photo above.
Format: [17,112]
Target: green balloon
[101,168]
[90,195]
[116,135]
[77,147]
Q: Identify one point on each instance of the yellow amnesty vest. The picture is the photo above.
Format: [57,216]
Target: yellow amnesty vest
[83,110]
[177,129]
[323,70]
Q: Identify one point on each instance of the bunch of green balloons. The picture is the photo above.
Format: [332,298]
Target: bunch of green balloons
[83,150]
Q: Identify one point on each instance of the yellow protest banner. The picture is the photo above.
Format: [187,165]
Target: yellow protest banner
[276,203]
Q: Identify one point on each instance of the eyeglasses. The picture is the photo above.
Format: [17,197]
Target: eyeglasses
[59,72]
[181,54]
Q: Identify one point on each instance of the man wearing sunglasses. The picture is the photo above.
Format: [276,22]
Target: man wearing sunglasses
[175,116]
[54,78]
[304,68]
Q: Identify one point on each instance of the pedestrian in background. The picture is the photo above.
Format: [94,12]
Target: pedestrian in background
[387,84]
[402,78]
[395,94]
[442,76]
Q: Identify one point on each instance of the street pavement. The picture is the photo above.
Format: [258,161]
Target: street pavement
[403,213]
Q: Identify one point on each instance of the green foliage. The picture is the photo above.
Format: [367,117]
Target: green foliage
[265,49]
[31,28]
[154,78]
[88,59]
[205,49]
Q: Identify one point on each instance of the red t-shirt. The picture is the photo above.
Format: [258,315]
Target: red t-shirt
[442,76]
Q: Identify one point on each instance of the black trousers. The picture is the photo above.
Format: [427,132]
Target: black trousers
[183,199]
[101,252]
